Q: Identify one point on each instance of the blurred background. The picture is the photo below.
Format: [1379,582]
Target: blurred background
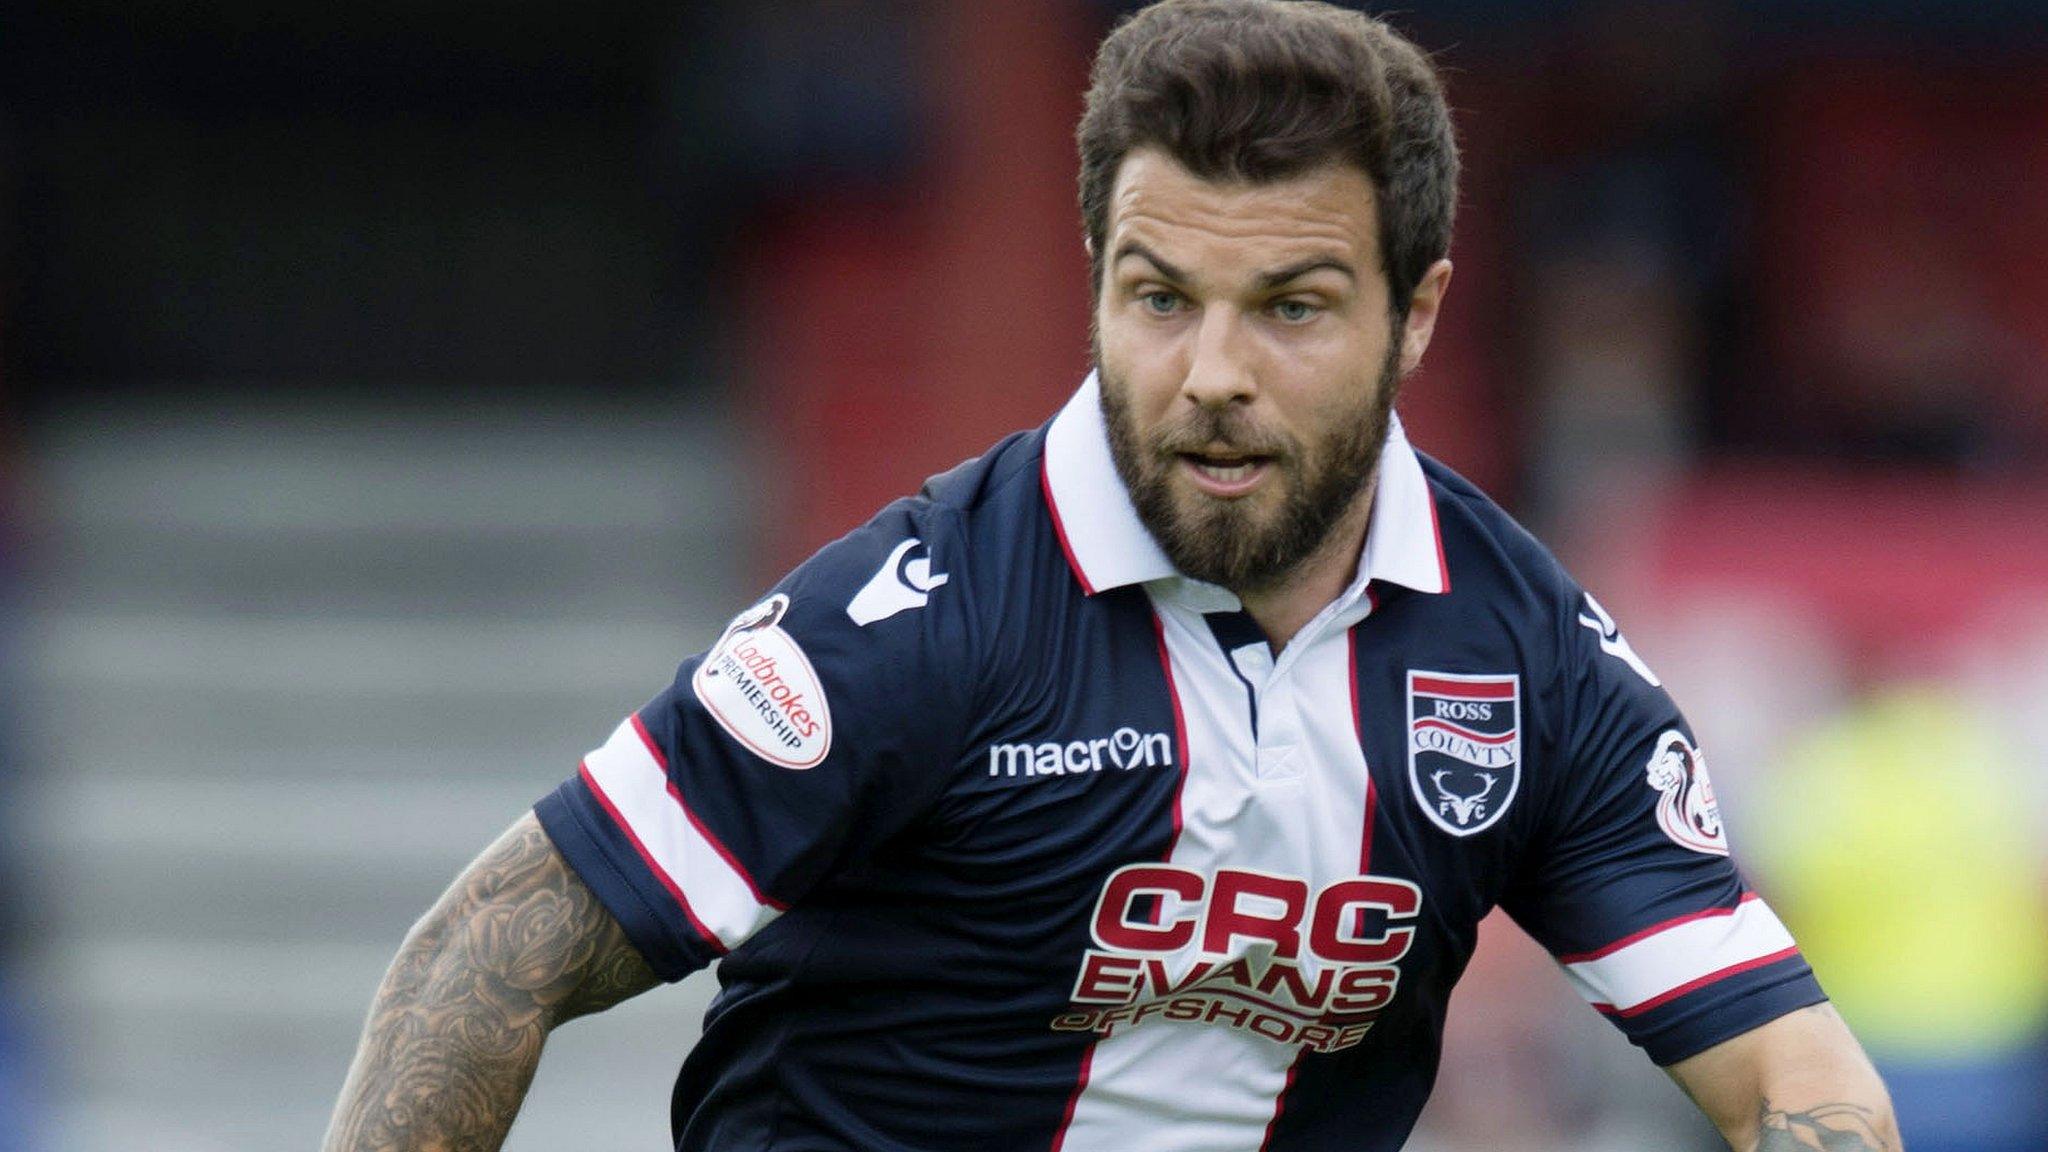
[391,394]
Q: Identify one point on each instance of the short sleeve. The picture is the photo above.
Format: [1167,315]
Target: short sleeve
[1631,887]
[817,727]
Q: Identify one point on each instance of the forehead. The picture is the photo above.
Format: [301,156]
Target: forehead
[1158,204]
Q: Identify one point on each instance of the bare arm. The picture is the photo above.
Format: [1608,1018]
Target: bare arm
[515,946]
[1799,1082]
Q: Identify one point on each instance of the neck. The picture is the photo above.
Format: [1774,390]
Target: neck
[1290,603]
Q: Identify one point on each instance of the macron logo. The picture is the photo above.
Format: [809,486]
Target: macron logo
[1126,748]
[905,581]
[1613,642]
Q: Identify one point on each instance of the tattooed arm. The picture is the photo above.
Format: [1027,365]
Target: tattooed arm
[1799,1083]
[515,946]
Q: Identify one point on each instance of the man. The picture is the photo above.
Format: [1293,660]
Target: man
[1141,784]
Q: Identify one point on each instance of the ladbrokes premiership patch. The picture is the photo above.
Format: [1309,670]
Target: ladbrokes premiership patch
[1464,747]
[762,690]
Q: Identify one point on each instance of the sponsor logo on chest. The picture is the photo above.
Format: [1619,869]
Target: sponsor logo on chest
[1464,747]
[1275,956]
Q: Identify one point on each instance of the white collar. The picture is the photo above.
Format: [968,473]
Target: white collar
[1109,547]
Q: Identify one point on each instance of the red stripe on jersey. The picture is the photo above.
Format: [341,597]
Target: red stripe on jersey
[1358,726]
[1180,736]
[647,740]
[1652,930]
[717,845]
[596,790]
[1180,727]
[1696,985]
[1465,689]
[1280,1101]
[1436,528]
[1059,529]
[1059,1138]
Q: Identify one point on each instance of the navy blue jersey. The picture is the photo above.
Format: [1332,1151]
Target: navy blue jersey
[1007,835]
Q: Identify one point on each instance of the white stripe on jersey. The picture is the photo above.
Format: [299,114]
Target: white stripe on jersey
[634,787]
[1657,966]
[1297,811]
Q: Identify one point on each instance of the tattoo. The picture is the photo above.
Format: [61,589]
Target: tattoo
[516,946]
[1822,1128]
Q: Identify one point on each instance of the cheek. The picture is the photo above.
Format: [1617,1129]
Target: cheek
[1320,406]
[1336,349]
[1120,335]
[1142,362]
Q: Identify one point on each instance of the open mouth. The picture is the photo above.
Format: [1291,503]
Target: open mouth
[1225,475]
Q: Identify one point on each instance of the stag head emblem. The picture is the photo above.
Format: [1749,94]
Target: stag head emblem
[1463,809]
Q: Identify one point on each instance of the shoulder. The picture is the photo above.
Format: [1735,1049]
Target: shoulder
[928,577]
[1580,676]
[1493,559]
[961,522]
[880,627]
[1521,573]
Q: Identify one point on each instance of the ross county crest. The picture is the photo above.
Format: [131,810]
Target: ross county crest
[1464,747]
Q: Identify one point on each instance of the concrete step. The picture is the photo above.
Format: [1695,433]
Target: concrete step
[268,471]
[583,574]
[287,671]
[143,1077]
[366,658]
[171,732]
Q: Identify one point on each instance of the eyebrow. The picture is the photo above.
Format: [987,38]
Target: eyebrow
[1267,280]
[1129,248]
[1302,268]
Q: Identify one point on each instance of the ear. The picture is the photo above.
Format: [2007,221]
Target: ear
[1422,312]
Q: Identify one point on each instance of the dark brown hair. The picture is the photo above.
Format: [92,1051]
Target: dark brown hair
[1261,90]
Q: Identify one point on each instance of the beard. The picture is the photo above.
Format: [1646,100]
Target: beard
[1246,545]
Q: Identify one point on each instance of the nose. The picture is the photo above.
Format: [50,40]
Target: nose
[1220,372]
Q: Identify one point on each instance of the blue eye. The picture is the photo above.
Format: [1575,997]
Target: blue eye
[1294,311]
[1160,303]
